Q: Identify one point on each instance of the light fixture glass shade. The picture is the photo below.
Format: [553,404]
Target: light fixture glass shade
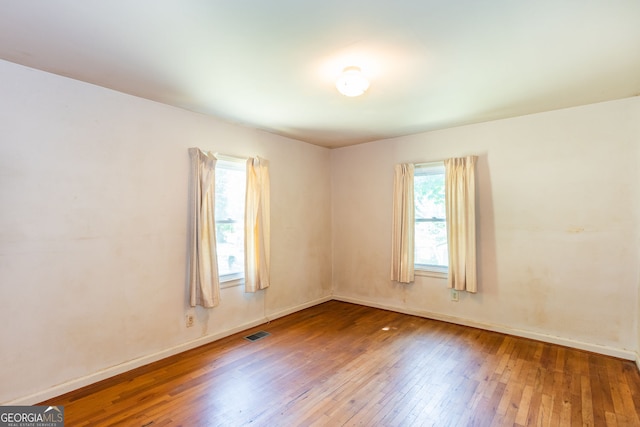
[352,82]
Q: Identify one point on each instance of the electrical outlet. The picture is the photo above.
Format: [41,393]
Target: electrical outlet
[189,320]
[455,296]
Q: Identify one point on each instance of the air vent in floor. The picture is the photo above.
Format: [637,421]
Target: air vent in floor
[258,335]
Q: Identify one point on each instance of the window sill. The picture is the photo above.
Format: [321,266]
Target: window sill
[230,283]
[439,273]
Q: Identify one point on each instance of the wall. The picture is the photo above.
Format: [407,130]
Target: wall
[93,225]
[558,226]
[637,323]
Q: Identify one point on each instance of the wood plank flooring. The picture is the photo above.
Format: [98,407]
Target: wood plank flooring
[342,364]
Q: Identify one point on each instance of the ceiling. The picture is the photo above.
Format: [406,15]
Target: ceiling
[272,64]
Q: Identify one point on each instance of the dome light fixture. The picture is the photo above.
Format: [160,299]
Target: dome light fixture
[352,82]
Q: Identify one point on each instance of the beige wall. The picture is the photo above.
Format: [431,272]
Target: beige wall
[558,213]
[93,222]
[637,323]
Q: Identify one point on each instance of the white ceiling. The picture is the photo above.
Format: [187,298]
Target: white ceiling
[272,64]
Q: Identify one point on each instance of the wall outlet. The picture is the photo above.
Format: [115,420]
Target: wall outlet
[455,296]
[189,320]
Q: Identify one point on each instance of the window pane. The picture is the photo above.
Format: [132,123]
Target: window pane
[429,196]
[431,244]
[430,215]
[230,191]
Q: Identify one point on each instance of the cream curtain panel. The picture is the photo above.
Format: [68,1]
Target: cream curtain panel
[257,226]
[402,249]
[204,284]
[460,195]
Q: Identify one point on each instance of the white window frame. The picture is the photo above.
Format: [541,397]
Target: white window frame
[439,271]
[238,164]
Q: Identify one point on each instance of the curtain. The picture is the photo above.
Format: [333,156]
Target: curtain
[204,284]
[402,249]
[257,231]
[460,195]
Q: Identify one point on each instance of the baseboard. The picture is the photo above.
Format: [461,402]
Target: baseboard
[128,366]
[638,361]
[141,361]
[136,363]
[286,312]
[595,348]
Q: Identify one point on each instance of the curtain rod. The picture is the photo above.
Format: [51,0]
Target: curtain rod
[230,158]
[431,163]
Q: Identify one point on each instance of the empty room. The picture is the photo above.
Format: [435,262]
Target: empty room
[282,213]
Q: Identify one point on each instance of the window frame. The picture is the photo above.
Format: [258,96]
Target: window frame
[439,271]
[236,164]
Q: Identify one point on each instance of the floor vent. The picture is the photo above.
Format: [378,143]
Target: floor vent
[258,335]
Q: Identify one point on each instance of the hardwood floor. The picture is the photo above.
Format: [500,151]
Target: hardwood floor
[343,364]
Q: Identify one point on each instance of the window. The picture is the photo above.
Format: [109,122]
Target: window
[431,249]
[230,201]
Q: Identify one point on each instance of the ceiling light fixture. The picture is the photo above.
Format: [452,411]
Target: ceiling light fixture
[352,82]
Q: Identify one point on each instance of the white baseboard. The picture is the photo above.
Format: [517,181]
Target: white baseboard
[290,310]
[145,360]
[128,366]
[595,348]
